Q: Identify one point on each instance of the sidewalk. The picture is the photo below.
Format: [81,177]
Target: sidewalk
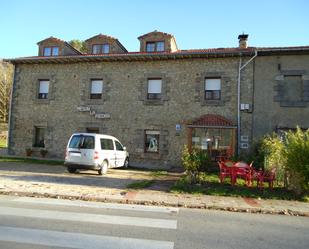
[53,181]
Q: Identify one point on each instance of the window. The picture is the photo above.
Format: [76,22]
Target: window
[213,89]
[150,46]
[160,46]
[154,88]
[96,49]
[105,48]
[51,51]
[93,130]
[39,140]
[107,144]
[152,139]
[43,89]
[155,46]
[82,142]
[96,89]
[293,88]
[100,48]
[118,146]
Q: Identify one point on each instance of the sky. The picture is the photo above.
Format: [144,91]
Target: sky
[195,24]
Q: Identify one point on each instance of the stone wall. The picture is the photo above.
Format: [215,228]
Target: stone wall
[124,101]
[271,110]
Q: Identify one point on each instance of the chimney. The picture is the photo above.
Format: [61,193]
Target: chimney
[243,40]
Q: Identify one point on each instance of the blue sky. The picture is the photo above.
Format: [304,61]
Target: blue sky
[194,23]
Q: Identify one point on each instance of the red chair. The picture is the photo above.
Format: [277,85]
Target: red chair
[225,171]
[267,176]
[243,170]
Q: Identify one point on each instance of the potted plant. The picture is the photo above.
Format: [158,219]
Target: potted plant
[28,151]
[43,152]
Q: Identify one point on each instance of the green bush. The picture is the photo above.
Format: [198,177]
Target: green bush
[290,156]
[296,154]
[273,147]
[194,162]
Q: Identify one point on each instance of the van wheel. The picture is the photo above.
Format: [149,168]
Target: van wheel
[126,163]
[71,170]
[103,169]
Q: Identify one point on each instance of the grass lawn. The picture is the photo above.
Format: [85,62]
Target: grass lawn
[30,160]
[210,185]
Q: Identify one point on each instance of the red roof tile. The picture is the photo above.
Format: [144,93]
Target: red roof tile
[212,120]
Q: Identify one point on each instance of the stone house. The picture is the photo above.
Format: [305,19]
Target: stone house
[158,99]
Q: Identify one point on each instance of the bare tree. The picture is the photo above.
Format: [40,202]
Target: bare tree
[6,78]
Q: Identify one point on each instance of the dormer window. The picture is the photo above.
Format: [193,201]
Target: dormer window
[155,46]
[100,48]
[51,51]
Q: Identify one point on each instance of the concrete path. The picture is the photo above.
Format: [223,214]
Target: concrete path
[55,182]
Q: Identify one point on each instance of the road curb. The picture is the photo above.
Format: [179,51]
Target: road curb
[158,203]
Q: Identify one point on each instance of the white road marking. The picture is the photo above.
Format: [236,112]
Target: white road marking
[77,203]
[77,240]
[93,218]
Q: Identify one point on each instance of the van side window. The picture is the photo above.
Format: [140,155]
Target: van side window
[118,146]
[82,142]
[107,144]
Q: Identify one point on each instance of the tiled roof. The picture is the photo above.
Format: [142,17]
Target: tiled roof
[212,120]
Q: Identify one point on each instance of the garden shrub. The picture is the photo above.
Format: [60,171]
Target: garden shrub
[290,156]
[194,162]
[296,154]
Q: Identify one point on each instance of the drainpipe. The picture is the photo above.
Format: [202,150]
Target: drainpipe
[241,67]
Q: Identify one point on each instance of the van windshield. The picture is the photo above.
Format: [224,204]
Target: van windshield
[82,142]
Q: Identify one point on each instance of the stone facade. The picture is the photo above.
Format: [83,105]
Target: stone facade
[125,111]
[124,101]
[279,101]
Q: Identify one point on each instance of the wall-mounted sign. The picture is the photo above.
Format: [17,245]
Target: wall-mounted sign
[83,108]
[93,112]
[178,127]
[102,115]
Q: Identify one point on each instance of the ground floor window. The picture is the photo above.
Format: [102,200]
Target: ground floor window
[218,142]
[39,137]
[152,140]
[93,130]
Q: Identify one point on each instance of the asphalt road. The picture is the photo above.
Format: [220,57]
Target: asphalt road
[51,223]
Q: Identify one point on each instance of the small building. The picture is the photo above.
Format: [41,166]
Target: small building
[158,99]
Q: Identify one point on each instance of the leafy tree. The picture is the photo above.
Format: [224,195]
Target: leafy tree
[79,45]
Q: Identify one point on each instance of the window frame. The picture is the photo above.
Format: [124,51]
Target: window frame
[156,96]
[212,93]
[96,95]
[41,96]
[155,46]
[156,134]
[36,143]
[51,53]
[100,47]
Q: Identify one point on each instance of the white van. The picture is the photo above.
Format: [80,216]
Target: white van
[95,152]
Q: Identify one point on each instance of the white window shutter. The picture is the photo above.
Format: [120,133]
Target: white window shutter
[154,86]
[96,86]
[44,86]
[212,84]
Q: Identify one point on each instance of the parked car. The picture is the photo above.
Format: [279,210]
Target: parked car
[95,152]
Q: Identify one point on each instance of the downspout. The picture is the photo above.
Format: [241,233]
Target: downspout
[240,67]
[10,114]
